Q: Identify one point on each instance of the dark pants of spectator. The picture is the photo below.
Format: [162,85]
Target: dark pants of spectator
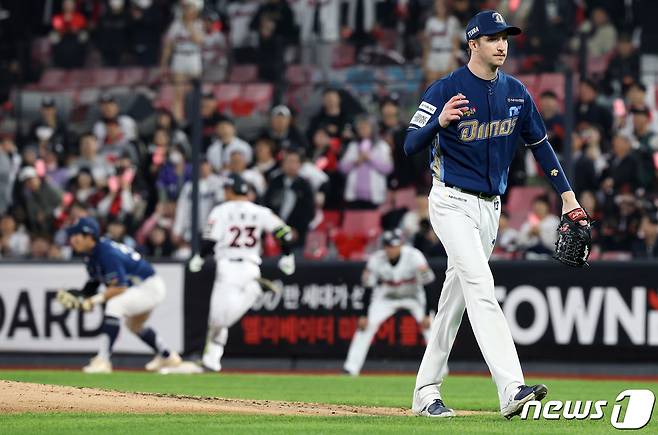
[361,205]
[69,52]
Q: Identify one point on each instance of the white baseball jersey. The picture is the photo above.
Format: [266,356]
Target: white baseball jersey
[405,279]
[237,228]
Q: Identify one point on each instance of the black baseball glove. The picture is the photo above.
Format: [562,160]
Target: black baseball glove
[574,238]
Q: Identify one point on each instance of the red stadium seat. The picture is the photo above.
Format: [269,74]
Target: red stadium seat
[52,79]
[519,203]
[225,94]
[343,55]
[359,230]
[132,76]
[315,247]
[260,94]
[243,74]
[298,75]
[331,220]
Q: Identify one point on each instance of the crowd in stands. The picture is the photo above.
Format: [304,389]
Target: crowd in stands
[315,161]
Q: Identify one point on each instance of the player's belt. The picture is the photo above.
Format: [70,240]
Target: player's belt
[480,195]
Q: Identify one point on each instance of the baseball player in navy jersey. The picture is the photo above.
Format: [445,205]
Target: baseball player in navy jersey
[472,121]
[132,291]
[395,278]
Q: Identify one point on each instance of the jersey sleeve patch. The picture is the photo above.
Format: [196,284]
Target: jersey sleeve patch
[427,107]
[420,118]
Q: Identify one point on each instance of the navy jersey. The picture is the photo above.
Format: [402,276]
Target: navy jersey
[475,152]
[118,265]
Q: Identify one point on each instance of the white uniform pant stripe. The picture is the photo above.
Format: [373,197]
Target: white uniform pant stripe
[467,228]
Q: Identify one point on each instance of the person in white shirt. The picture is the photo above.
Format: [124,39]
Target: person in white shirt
[537,234]
[237,164]
[110,111]
[441,47]
[319,22]
[226,141]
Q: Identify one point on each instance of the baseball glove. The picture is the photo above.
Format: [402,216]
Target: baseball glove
[574,239]
[70,299]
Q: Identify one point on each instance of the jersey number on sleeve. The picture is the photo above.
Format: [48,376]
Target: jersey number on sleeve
[243,237]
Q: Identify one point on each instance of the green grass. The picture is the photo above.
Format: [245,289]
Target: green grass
[460,392]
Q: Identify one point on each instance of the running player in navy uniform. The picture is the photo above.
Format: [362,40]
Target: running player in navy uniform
[132,291]
[473,120]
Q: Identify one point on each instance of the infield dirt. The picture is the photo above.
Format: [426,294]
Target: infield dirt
[17,397]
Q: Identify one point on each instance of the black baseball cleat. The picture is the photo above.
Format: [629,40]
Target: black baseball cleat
[437,409]
[525,394]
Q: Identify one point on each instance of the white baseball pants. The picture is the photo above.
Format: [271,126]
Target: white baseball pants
[467,227]
[234,292]
[138,299]
[379,310]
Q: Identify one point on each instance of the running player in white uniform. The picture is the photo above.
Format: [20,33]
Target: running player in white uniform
[234,231]
[397,274]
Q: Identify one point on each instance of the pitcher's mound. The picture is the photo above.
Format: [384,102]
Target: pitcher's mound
[28,397]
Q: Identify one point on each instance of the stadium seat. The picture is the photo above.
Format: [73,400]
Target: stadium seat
[225,94]
[299,75]
[519,203]
[405,198]
[102,77]
[52,79]
[596,66]
[260,94]
[331,220]
[343,55]
[132,76]
[315,247]
[243,74]
[359,230]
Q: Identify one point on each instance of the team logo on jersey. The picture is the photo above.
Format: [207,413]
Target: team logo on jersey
[514,111]
[470,111]
[472,129]
[554,172]
[498,18]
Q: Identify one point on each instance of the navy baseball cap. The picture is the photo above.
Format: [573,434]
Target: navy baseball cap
[488,23]
[392,238]
[237,184]
[84,225]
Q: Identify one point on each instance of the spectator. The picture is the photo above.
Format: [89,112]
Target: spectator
[14,242]
[173,175]
[620,224]
[159,244]
[163,217]
[407,171]
[237,164]
[210,194]
[332,117]
[39,200]
[507,240]
[320,31]
[10,162]
[48,118]
[317,179]
[110,111]
[291,197]
[181,54]
[636,97]
[599,34]
[548,29]
[645,143]
[441,43]
[282,131]
[116,230]
[281,16]
[588,161]
[215,47]
[116,143]
[39,247]
[121,201]
[589,110]
[226,141]
[165,120]
[622,171]
[645,246]
[112,33]
[209,118]
[84,189]
[69,37]
[623,68]
[549,107]
[326,152]
[360,22]
[427,241]
[537,235]
[265,162]
[145,30]
[366,163]
[270,54]
[57,175]
[240,16]
[98,166]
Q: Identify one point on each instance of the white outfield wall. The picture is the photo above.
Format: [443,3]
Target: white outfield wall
[31,320]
